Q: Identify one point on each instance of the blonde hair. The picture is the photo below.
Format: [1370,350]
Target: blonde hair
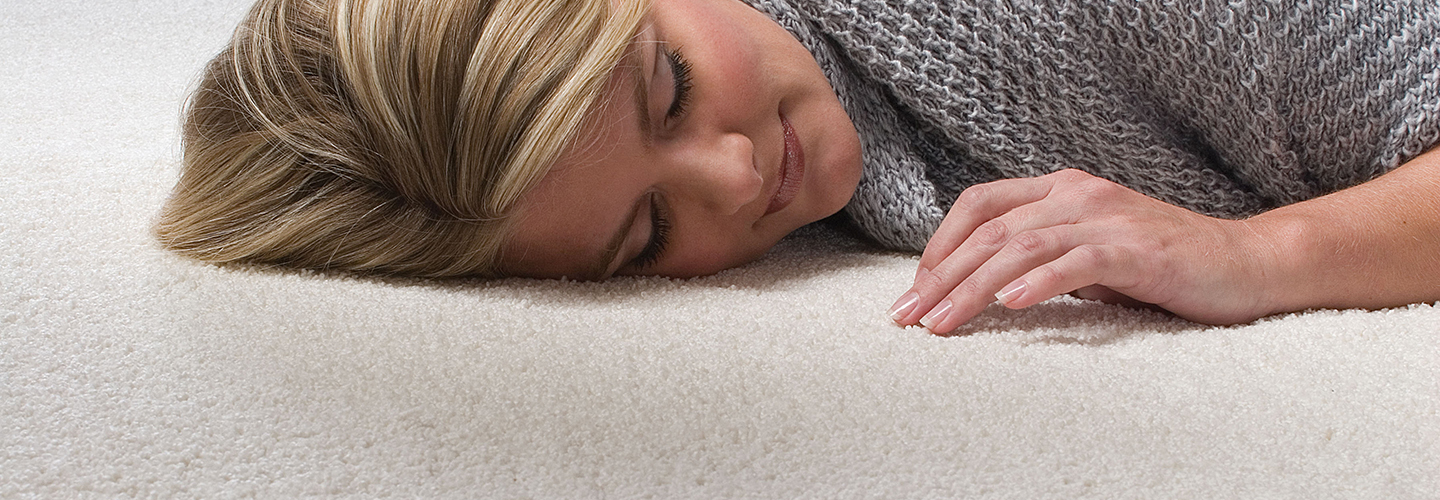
[386,135]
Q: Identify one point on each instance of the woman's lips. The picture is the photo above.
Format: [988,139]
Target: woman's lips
[792,170]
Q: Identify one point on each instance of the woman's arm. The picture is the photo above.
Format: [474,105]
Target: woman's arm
[1026,240]
[1374,245]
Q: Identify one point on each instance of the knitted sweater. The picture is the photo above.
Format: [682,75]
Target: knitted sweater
[1225,108]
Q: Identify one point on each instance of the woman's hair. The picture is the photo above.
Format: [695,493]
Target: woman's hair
[390,136]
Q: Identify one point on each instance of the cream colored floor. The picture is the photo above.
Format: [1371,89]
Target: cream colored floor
[125,371]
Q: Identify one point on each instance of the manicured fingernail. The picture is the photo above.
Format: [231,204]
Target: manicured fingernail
[1011,292]
[904,306]
[936,315]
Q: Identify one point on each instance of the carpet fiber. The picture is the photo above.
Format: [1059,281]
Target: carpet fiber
[127,371]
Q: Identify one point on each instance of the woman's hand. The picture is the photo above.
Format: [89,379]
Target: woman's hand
[1023,241]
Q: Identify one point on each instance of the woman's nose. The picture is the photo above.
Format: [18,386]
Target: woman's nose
[722,174]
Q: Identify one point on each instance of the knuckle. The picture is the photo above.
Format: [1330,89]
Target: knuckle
[1099,188]
[1093,193]
[1091,256]
[974,197]
[968,288]
[937,278]
[1049,275]
[992,233]
[1030,242]
[1073,175]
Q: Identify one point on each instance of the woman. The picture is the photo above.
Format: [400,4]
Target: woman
[682,137]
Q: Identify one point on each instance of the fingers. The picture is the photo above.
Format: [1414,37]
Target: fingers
[1024,241]
[986,219]
[996,253]
[1026,278]
[1081,270]
[1033,267]
[976,206]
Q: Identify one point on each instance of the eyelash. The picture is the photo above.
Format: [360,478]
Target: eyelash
[659,236]
[659,224]
[680,68]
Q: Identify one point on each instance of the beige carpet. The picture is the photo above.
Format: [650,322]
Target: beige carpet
[125,371]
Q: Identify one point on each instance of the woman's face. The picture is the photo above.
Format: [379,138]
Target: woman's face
[718,136]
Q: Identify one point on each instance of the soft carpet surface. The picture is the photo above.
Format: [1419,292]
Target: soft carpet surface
[126,371]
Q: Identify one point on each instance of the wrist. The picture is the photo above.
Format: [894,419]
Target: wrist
[1285,250]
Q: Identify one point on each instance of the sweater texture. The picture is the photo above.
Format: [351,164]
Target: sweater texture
[1225,108]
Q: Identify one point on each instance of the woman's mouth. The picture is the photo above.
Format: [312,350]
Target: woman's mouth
[792,170]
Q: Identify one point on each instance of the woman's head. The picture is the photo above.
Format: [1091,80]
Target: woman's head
[385,135]
[719,135]
[419,137]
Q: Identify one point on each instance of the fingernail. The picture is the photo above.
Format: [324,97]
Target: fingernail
[904,306]
[936,315]
[1010,292]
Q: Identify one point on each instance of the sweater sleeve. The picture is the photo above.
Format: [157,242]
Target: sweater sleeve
[1295,98]
[1226,108]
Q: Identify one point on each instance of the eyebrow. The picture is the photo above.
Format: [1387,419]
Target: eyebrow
[642,100]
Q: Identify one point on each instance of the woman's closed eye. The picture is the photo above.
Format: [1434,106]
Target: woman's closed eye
[659,236]
[659,221]
[680,74]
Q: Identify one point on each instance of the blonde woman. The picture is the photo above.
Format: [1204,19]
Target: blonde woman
[1222,161]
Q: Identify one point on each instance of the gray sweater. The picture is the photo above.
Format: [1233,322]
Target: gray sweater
[1225,108]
